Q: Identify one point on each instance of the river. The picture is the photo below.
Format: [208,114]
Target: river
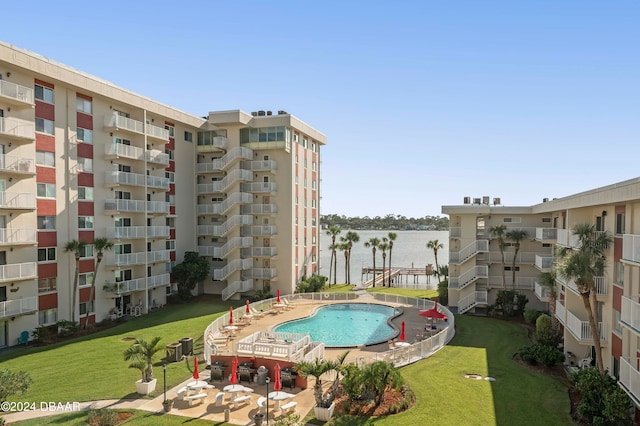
[409,250]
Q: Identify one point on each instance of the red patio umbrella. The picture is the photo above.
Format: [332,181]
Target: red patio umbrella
[433,313]
[230,314]
[277,385]
[196,374]
[246,309]
[234,371]
[402,332]
[278,299]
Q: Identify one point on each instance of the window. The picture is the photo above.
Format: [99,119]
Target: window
[47,254]
[170,129]
[43,93]
[619,223]
[84,306]
[122,141]
[546,220]
[47,222]
[44,126]
[313,166]
[85,165]
[85,222]
[512,219]
[44,158]
[171,244]
[85,193]
[87,251]
[46,190]
[84,105]
[188,136]
[171,176]
[618,273]
[169,152]
[171,199]
[616,321]
[313,146]
[170,222]
[48,317]
[313,203]
[85,135]
[85,279]
[47,284]
[313,184]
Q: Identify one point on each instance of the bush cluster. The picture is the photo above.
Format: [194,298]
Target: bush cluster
[602,401]
[312,284]
[531,315]
[541,354]
[102,417]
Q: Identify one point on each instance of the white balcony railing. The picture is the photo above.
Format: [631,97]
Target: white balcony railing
[472,300]
[223,251]
[157,157]
[259,209]
[260,165]
[561,312]
[122,150]
[136,206]
[521,258]
[13,308]
[214,143]
[141,258]
[630,378]
[17,200]
[138,284]
[543,293]
[18,236]
[116,121]
[259,187]
[18,271]
[226,227]
[258,230]
[237,287]
[630,314]
[134,232]
[522,283]
[261,273]
[259,252]
[17,128]
[134,179]
[582,329]
[157,132]
[546,234]
[544,263]
[602,288]
[567,238]
[9,163]
[631,248]
[16,93]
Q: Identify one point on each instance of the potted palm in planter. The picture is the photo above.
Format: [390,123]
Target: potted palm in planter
[143,353]
[324,407]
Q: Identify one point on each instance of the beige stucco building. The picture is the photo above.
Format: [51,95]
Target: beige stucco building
[81,159]
[475,263]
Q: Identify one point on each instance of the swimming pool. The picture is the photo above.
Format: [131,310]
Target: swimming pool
[346,324]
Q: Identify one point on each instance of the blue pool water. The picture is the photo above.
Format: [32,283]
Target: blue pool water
[345,324]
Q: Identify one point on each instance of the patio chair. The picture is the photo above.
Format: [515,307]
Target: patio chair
[258,313]
[24,338]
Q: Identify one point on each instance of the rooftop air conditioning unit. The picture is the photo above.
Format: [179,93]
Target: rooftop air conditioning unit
[476,201]
[261,113]
[281,112]
[269,113]
[496,201]
[544,200]
[467,200]
[485,200]
[254,113]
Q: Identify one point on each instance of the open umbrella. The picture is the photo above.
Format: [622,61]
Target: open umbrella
[433,313]
[196,374]
[402,332]
[277,385]
[278,299]
[247,310]
[234,372]
[230,314]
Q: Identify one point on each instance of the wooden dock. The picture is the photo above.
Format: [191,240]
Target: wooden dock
[397,274]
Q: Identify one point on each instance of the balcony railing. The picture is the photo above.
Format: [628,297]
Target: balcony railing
[157,157]
[543,293]
[133,232]
[136,206]
[18,165]
[115,150]
[544,263]
[16,94]
[259,187]
[630,378]
[259,230]
[17,129]
[115,178]
[119,122]
[522,283]
[546,234]
[141,258]
[157,132]
[567,238]
[138,284]
[223,229]
[18,236]
[259,252]
[18,271]
[455,231]
[582,329]
[631,248]
[211,144]
[261,273]
[472,300]
[602,288]
[223,251]
[259,209]
[16,307]
[224,206]
[17,200]
[496,257]
[260,165]
[630,314]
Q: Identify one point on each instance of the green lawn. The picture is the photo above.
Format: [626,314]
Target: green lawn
[419,294]
[139,418]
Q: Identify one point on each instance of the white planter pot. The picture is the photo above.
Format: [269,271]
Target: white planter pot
[145,388]
[324,414]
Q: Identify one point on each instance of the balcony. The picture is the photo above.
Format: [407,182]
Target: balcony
[139,284]
[522,283]
[261,273]
[115,206]
[17,130]
[547,235]
[259,252]
[630,379]
[115,178]
[455,231]
[141,258]
[213,143]
[630,314]
[543,293]
[271,209]
[17,166]
[158,133]
[631,248]
[157,157]
[223,185]
[602,287]
[260,166]
[138,232]
[496,257]
[17,201]
[259,187]
[543,263]
[116,122]
[580,329]
[17,307]
[566,238]
[18,271]
[224,206]
[259,230]
[14,237]
[119,150]
[16,95]
[234,154]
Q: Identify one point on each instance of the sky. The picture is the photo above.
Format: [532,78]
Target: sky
[423,102]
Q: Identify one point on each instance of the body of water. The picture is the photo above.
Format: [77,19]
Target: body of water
[409,251]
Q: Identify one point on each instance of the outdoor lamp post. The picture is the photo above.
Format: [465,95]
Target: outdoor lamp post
[164,369]
[267,380]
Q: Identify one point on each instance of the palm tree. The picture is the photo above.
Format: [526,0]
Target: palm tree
[100,245]
[435,245]
[548,280]
[142,353]
[379,375]
[383,247]
[373,243]
[351,237]
[344,247]
[316,369]
[583,266]
[515,235]
[333,233]
[392,237]
[499,231]
[76,247]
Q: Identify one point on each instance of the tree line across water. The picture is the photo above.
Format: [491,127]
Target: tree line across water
[390,221]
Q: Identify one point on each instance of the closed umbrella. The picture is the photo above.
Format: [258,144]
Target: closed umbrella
[234,372]
[277,385]
[402,332]
[278,299]
[247,310]
[230,314]
[196,374]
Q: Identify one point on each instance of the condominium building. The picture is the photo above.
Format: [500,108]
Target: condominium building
[476,263]
[82,159]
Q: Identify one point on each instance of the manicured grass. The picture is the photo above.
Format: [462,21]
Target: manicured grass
[92,367]
[420,294]
[338,288]
[138,418]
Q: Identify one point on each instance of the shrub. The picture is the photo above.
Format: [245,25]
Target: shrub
[521,302]
[541,354]
[102,417]
[42,335]
[68,328]
[602,401]
[527,355]
[531,315]
[443,292]
[546,333]
[313,284]
[291,419]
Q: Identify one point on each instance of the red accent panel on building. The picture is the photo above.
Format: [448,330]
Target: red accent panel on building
[47,301]
[45,142]
[85,179]
[85,292]
[172,209]
[172,234]
[172,256]
[85,150]
[617,249]
[47,270]
[616,346]
[46,207]
[86,236]
[172,144]
[85,208]
[45,110]
[617,298]
[45,175]
[84,120]
[172,166]
[47,239]
[44,83]
[86,265]
[87,97]
[168,123]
